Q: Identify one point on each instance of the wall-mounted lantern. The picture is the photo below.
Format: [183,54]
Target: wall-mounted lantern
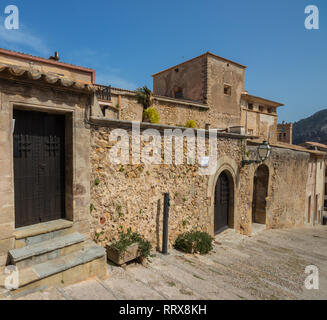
[264,151]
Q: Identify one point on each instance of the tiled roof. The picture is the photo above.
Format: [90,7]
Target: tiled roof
[48,61]
[35,75]
[26,55]
[315,144]
[250,97]
[291,147]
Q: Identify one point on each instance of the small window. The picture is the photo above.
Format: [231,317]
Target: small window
[227,90]
[270,110]
[261,108]
[250,106]
[250,132]
[179,94]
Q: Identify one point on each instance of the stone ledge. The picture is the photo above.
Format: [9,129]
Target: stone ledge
[83,256]
[42,228]
[45,247]
[125,124]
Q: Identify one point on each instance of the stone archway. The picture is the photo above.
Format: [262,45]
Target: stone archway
[231,169]
[260,195]
[224,202]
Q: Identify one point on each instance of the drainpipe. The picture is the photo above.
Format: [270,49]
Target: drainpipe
[165,224]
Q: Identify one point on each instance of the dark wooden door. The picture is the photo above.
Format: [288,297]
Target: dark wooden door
[254,202]
[39,167]
[222,195]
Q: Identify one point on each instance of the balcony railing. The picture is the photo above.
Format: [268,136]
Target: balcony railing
[103,92]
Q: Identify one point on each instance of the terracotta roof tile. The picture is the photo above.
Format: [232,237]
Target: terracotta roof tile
[25,74]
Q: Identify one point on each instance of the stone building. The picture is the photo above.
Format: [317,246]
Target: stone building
[315,188]
[45,171]
[317,184]
[219,83]
[59,189]
[285,133]
[211,90]
[207,89]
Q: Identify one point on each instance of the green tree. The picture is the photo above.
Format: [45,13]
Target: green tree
[144,96]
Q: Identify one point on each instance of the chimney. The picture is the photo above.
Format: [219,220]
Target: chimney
[55,57]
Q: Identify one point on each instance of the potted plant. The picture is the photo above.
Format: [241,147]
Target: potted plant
[129,247]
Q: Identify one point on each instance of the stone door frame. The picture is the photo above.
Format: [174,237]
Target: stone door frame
[69,116]
[78,172]
[230,167]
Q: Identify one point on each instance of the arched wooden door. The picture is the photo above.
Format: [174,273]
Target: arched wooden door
[222,201]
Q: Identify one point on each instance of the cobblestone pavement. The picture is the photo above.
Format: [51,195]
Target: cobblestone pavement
[270,265]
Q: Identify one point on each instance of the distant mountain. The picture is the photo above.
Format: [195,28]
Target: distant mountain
[313,129]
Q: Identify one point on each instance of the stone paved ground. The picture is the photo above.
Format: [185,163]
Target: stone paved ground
[269,265]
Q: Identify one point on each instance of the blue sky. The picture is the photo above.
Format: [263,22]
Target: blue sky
[128,41]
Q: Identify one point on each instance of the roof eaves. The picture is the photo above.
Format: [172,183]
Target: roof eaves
[48,61]
[262,100]
[13,72]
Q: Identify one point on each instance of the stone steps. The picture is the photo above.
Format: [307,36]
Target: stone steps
[42,232]
[90,261]
[52,254]
[86,263]
[46,250]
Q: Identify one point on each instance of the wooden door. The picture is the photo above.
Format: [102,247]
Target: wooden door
[39,167]
[222,200]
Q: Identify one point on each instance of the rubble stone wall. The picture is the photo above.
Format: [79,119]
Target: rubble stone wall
[131,196]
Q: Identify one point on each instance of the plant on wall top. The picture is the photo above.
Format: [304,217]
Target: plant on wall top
[144,96]
[191,124]
[151,115]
